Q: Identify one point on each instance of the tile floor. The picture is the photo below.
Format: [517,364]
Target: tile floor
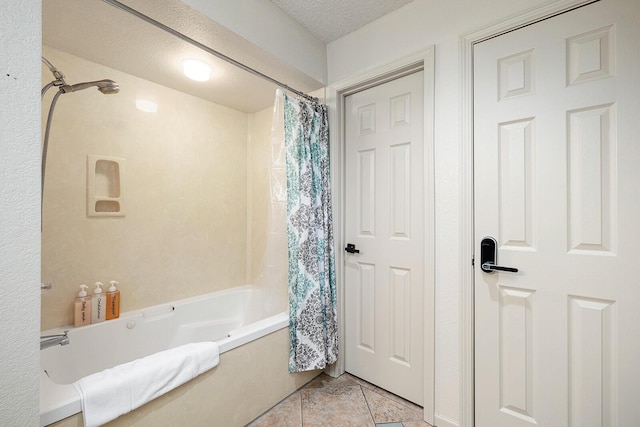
[346,401]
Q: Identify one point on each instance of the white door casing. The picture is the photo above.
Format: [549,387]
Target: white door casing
[555,177]
[384,283]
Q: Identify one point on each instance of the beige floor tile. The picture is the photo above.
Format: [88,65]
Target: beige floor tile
[331,385]
[385,410]
[335,405]
[346,401]
[287,413]
[359,381]
[398,399]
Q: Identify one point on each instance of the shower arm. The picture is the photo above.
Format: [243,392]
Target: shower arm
[57,74]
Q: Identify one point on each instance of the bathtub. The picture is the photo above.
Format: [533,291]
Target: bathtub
[231,317]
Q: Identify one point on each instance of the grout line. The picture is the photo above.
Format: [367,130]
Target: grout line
[301,410]
[368,407]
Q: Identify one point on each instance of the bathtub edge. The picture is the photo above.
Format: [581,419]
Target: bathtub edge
[57,401]
[253,331]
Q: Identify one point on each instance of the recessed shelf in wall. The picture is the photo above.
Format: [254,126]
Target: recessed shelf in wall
[105,179]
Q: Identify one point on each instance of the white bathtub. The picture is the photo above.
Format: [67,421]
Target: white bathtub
[231,317]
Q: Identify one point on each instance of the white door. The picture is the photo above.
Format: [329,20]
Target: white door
[385,221]
[557,179]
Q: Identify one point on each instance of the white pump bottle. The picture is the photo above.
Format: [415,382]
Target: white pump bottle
[98,304]
[82,308]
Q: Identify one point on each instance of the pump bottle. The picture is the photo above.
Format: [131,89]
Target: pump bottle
[98,304]
[113,301]
[82,308]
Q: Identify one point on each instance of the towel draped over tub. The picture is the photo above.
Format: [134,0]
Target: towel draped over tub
[113,392]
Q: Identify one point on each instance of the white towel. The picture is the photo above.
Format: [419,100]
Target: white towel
[113,392]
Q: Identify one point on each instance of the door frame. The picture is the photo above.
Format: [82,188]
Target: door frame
[467,42]
[335,98]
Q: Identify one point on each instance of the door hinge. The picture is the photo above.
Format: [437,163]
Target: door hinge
[473,262]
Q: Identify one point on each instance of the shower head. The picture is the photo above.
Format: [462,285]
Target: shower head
[106,86]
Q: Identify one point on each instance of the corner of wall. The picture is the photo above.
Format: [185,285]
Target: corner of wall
[249,256]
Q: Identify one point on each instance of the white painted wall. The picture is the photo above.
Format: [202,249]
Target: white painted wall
[19,212]
[397,35]
[267,26]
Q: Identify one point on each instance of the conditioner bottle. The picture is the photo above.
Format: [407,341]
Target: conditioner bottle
[82,308]
[98,304]
[113,301]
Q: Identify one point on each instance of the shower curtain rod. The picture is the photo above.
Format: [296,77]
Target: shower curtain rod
[206,48]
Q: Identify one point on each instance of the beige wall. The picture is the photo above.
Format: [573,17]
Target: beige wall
[258,176]
[185,193]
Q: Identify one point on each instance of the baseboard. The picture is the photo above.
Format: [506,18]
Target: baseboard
[441,421]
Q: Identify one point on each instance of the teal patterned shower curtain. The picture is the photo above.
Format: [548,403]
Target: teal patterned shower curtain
[312,279]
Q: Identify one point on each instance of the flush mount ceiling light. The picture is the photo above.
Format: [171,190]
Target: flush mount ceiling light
[196,70]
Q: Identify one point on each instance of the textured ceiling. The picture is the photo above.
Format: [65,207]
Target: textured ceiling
[329,20]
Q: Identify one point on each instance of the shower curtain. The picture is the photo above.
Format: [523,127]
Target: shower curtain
[270,263]
[312,280]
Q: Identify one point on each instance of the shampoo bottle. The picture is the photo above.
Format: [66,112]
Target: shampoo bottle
[98,304]
[113,301]
[82,308]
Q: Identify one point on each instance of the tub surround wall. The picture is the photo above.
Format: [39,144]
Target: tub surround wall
[185,190]
[259,162]
[249,380]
